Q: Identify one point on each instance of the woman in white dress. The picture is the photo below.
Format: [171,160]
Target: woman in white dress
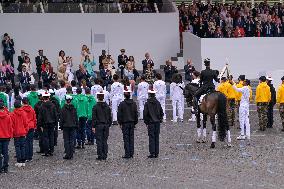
[69,65]
[61,58]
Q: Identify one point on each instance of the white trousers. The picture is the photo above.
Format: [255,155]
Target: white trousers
[177,105]
[244,120]
[162,100]
[115,101]
[141,102]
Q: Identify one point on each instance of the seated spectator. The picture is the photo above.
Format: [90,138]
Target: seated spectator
[131,64]
[239,32]
[146,61]
[82,74]
[169,71]
[24,78]
[101,58]
[61,74]
[48,75]
[110,62]
[3,77]
[106,75]
[9,71]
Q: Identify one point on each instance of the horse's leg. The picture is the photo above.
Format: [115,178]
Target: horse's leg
[204,128]
[198,127]
[214,136]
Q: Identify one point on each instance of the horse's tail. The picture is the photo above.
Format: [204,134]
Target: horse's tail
[223,124]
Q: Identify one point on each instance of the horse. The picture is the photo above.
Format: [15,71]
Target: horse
[212,104]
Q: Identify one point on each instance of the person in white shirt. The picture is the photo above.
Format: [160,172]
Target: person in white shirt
[96,88]
[160,87]
[176,95]
[74,88]
[106,96]
[116,94]
[142,95]
[62,91]
[244,110]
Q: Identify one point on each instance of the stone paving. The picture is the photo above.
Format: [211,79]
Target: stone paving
[182,162]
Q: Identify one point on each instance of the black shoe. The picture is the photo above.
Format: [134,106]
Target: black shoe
[151,156]
[89,143]
[67,157]
[126,157]
[99,158]
[156,155]
[4,170]
[50,154]
[45,155]
[39,152]
[83,146]
[282,130]
[78,147]
[114,123]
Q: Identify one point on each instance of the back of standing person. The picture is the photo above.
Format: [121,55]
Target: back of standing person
[161,88]
[142,95]
[116,94]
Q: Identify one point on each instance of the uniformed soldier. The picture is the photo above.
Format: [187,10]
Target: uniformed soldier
[96,87]
[280,101]
[271,103]
[101,121]
[127,118]
[153,116]
[55,100]
[262,99]
[206,80]
[176,95]
[116,94]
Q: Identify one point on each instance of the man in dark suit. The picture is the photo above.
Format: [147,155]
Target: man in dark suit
[8,49]
[39,60]
[169,70]
[271,103]
[24,78]
[189,69]
[105,75]
[146,61]
[21,60]
[122,60]
[101,57]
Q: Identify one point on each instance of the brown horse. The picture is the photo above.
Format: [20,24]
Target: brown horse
[212,104]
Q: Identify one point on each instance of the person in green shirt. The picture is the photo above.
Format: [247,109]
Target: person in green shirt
[33,96]
[91,103]
[68,92]
[3,96]
[81,105]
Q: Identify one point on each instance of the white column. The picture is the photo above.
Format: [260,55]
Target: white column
[156,7]
[41,7]
[119,8]
[81,8]
[1,9]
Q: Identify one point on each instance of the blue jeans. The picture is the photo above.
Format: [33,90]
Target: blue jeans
[20,147]
[4,156]
[89,132]
[81,131]
[29,144]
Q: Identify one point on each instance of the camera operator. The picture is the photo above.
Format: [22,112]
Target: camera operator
[8,49]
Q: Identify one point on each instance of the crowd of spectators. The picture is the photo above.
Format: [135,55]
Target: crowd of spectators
[209,20]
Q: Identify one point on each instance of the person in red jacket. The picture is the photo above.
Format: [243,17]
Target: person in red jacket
[31,121]
[20,129]
[6,133]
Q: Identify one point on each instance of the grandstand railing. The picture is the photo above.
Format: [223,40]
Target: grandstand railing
[112,7]
[270,2]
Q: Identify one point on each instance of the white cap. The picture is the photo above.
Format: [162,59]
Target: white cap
[46,94]
[152,91]
[51,91]
[127,89]
[100,93]
[68,97]
[269,78]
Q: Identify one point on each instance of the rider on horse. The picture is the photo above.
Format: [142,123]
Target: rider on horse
[206,81]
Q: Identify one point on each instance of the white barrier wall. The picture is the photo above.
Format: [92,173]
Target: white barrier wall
[192,49]
[138,33]
[250,56]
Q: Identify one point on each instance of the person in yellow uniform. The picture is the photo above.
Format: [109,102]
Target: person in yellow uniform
[227,89]
[280,101]
[238,95]
[262,98]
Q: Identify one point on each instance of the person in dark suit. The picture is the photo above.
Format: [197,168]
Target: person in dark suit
[47,76]
[169,70]
[82,74]
[106,76]
[189,69]
[271,103]
[101,58]
[21,60]
[24,78]
[39,61]
[122,60]
[146,61]
[8,49]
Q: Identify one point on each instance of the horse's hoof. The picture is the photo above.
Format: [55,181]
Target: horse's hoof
[204,141]
[212,145]
[198,141]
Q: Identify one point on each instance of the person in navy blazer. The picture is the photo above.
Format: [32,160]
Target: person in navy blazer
[146,61]
[105,75]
